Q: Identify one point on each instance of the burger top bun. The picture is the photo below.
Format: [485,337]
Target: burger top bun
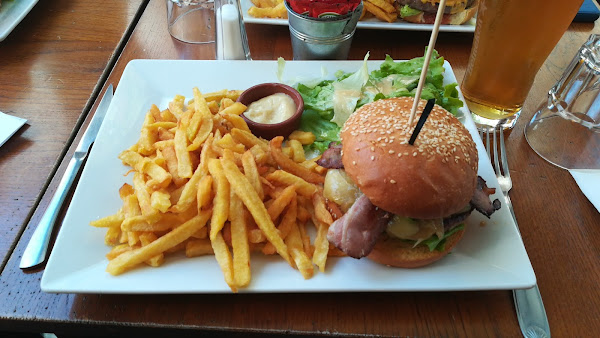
[433,178]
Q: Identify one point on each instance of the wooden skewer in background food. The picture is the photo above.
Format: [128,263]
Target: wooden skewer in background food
[430,47]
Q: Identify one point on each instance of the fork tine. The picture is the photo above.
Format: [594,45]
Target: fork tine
[496,164]
[503,157]
[487,142]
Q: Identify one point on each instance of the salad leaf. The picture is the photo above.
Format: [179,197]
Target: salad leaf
[406,10]
[347,92]
[324,130]
[435,243]
[334,100]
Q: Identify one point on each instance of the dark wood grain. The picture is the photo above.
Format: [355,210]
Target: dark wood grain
[49,67]
[558,224]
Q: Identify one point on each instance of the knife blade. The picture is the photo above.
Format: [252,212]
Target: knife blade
[35,252]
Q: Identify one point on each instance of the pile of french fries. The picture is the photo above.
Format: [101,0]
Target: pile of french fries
[204,184]
[274,9]
[384,10]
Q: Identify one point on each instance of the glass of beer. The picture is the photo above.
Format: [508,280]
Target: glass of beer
[512,40]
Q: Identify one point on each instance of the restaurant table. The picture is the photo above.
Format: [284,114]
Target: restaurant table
[64,55]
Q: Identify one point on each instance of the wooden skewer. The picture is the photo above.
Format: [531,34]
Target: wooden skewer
[430,47]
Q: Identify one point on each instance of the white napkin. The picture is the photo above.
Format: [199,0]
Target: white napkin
[8,126]
[589,182]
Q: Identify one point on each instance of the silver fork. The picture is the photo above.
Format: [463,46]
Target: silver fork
[528,302]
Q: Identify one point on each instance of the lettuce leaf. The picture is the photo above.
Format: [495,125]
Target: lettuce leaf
[406,10]
[324,130]
[327,106]
[439,244]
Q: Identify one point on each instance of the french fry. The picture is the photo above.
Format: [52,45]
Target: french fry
[221,202]
[302,187]
[251,172]
[304,137]
[204,192]
[160,178]
[171,161]
[384,5]
[130,259]
[184,162]
[147,238]
[198,247]
[321,243]
[109,221]
[189,192]
[160,200]
[281,202]
[239,241]
[224,259]
[239,183]
[297,151]
[294,243]
[237,108]
[143,195]
[148,136]
[321,212]
[380,13]
[248,139]
[289,165]
[117,250]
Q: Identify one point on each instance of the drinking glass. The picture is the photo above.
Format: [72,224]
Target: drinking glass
[512,40]
[566,128]
[191,21]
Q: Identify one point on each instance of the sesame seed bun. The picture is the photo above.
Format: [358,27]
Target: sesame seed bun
[433,178]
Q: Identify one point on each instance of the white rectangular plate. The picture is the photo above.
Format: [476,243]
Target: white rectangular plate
[11,13]
[371,23]
[488,257]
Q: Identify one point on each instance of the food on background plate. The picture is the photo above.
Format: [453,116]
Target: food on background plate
[404,204]
[274,9]
[204,184]
[457,12]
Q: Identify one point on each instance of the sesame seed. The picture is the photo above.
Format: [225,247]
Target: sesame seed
[393,181]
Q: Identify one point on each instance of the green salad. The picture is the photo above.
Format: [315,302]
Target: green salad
[328,104]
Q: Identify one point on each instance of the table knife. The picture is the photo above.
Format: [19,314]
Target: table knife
[35,252]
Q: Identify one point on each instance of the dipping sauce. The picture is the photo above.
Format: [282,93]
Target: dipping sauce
[271,109]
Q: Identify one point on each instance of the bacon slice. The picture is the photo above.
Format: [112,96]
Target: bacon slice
[332,157]
[356,232]
[481,199]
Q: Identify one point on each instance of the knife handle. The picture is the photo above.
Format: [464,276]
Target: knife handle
[35,252]
[531,313]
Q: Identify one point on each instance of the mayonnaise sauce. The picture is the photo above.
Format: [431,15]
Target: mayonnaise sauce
[272,109]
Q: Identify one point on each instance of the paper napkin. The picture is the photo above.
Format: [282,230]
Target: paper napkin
[8,126]
[589,182]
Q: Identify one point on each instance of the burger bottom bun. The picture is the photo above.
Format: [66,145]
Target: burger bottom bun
[448,19]
[398,253]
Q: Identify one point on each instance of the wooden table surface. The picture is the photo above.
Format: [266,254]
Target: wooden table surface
[558,224]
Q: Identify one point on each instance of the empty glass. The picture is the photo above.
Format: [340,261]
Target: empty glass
[566,129]
[191,21]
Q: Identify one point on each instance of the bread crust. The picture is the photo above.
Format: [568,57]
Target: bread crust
[433,178]
[398,253]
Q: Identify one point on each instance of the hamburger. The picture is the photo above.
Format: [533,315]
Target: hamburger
[404,204]
[457,12]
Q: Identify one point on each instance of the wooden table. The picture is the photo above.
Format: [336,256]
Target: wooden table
[558,224]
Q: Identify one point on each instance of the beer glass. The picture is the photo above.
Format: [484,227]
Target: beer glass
[512,40]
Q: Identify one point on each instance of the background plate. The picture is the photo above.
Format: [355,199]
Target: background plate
[11,13]
[488,257]
[371,23]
